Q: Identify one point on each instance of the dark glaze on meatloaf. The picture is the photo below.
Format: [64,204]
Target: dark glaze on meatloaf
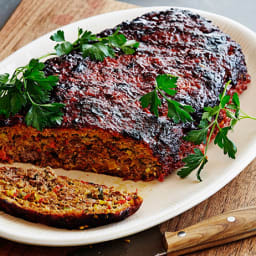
[104,128]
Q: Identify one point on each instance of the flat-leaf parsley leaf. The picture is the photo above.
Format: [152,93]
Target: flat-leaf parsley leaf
[92,46]
[29,88]
[167,84]
[209,125]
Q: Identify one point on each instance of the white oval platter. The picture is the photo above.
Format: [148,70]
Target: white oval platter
[162,200]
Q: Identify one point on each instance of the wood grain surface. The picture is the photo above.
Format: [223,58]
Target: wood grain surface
[237,194]
[217,230]
[34,18]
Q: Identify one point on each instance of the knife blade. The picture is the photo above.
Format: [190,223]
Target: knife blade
[7,7]
[146,243]
[224,228]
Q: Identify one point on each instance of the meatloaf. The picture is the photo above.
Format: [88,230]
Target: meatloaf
[42,196]
[105,129]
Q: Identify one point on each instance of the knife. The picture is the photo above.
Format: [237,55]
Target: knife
[221,229]
[146,243]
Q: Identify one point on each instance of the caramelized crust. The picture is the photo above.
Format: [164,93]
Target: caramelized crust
[104,127]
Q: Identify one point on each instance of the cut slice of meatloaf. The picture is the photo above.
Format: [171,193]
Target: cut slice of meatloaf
[104,128]
[42,196]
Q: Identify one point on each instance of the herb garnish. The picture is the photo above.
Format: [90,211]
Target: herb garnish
[28,89]
[97,48]
[165,85]
[208,126]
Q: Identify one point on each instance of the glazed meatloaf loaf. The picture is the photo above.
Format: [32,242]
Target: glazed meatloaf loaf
[105,129]
[42,196]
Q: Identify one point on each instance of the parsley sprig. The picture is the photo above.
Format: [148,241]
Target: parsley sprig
[28,89]
[208,127]
[166,85]
[97,48]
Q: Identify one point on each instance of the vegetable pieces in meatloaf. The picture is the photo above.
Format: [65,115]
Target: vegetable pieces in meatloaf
[104,128]
[42,196]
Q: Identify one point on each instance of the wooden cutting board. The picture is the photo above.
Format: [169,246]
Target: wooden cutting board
[34,18]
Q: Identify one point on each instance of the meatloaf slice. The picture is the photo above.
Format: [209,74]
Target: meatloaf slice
[104,129]
[42,196]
